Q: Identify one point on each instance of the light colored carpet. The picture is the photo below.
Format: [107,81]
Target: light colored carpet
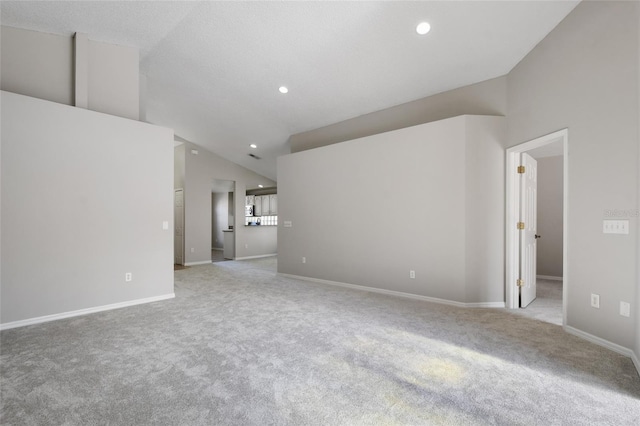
[217,256]
[240,345]
[547,306]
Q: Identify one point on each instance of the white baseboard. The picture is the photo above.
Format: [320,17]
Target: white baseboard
[202,262]
[484,305]
[256,257]
[549,277]
[54,317]
[398,293]
[604,343]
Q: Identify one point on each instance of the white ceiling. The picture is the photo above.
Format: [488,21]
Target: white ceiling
[213,68]
[552,149]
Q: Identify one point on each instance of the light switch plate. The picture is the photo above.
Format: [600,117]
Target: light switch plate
[288,224]
[595,300]
[615,226]
[165,225]
[625,309]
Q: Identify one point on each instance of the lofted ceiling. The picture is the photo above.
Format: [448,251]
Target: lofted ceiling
[213,68]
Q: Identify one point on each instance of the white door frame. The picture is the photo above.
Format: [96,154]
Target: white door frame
[511,216]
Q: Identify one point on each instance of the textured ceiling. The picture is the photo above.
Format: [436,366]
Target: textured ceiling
[213,68]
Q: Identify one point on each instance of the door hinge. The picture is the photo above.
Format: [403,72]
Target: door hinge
[520,169]
[520,225]
[520,283]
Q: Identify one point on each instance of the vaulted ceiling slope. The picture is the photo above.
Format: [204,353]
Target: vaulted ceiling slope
[213,69]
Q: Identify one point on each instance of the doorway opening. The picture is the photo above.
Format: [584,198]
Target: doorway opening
[178,228]
[222,219]
[537,248]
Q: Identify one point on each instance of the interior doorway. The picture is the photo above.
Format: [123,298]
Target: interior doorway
[178,227]
[222,218]
[546,285]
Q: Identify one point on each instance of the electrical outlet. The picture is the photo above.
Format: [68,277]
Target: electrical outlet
[412,274]
[595,300]
[625,309]
[128,277]
[246,246]
[304,259]
[193,250]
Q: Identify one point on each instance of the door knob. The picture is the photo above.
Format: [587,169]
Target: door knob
[537,236]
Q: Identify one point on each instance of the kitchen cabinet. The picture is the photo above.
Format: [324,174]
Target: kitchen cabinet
[266,210]
[258,210]
[264,205]
[273,204]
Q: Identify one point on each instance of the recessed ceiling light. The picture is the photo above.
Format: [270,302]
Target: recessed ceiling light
[260,186]
[423,28]
[253,145]
[283,89]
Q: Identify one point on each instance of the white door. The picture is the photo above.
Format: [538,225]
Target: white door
[528,216]
[178,220]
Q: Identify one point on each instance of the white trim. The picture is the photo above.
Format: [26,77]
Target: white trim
[511,216]
[202,262]
[256,257]
[397,293]
[54,317]
[511,237]
[499,305]
[548,277]
[601,342]
[565,225]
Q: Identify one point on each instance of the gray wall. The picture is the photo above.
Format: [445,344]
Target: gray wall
[484,207]
[550,225]
[114,79]
[42,66]
[586,79]
[485,98]
[200,171]
[84,196]
[178,166]
[410,199]
[637,346]
[37,64]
